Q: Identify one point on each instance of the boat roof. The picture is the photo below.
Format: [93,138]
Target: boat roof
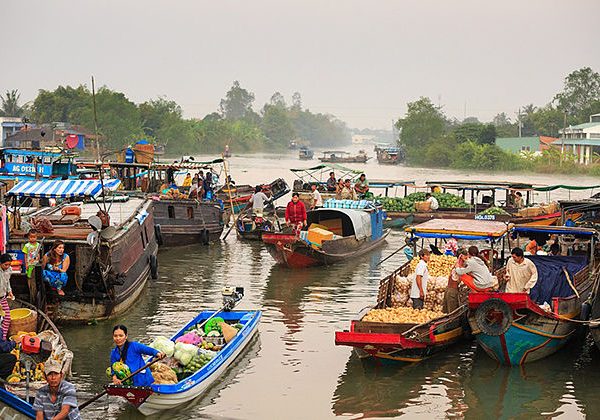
[386,183]
[555,230]
[360,219]
[186,165]
[62,188]
[337,152]
[460,229]
[508,185]
[26,152]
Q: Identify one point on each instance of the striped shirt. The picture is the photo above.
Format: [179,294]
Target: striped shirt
[66,396]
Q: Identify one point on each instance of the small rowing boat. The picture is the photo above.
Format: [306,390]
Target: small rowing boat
[160,397]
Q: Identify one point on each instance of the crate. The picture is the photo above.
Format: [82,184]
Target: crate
[422,206]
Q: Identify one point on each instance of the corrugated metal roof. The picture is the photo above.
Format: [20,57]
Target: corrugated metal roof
[583,126]
[578,142]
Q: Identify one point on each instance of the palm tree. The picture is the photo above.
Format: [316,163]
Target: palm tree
[10,105]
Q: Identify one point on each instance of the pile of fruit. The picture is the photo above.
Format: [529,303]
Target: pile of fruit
[407,204]
[401,315]
[434,297]
[121,371]
[438,265]
[192,350]
[496,211]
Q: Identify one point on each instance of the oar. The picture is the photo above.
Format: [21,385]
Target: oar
[103,393]
[391,255]
[234,224]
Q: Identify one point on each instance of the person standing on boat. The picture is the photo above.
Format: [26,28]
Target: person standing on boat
[451,296]
[331,182]
[434,204]
[5,291]
[56,263]
[257,201]
[479,276]
[418,288]
[207,187]
[362,186]
[521,273]
[32,251]
[57,399]
[130,353]
[317,200]
[295,212]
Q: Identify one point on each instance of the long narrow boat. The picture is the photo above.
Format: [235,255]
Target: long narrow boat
[518,328]
[13,403]
[413,341]
[156,398]
[353,232]
[108,269]
[252,227]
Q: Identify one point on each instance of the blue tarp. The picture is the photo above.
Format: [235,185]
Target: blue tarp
[455,236]
[62,188]
[551,277]
[551,230]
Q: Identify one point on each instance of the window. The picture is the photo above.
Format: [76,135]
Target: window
[190,212]
[171,211]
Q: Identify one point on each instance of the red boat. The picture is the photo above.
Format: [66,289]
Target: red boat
[355,232]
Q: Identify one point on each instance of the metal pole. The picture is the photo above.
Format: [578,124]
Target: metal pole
[95,121]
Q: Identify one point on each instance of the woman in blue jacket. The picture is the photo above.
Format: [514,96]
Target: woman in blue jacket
[130,353]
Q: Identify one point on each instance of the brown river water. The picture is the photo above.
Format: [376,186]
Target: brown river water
[292,369]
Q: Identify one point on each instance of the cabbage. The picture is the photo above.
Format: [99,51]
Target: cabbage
[163,345]
[185,352]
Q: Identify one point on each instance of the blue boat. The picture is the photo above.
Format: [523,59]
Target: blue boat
[29,164]
[519,328]
[156,398]
[13,407]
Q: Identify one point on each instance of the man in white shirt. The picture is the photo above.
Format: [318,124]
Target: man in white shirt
[418,288]
[317,199]
[258,200]
[431,199]
[521,273]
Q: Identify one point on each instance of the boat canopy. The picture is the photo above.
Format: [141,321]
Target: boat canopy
[354,222]
[460,229]
[335,152]
[566,187]
[317,173]
[36,153]
[186,165]
[62,188]
[555,230]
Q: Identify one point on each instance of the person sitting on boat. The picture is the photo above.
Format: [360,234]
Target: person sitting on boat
[317,200]
[57,399]
[418,288]
[434,204]
[7,359]
[554,249]
[532,247]
[479,277]
[362,186]
[521,273]
[257,201]
[130,353]
[451,296]
[518,200]
[347,192]
[187,182]
[331,182]
[55,264]
[295,212]
[5,291]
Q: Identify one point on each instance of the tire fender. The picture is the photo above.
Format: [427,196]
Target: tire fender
[153,266]
[494,317]
[158,234]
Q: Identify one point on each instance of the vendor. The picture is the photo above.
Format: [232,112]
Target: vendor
[451,297]
[433,203]
[55,264]
[532,247]
[130,353]
[477,269]
[362,186]
[348,193]
[295,212]
[418,288]
[521,273]
[331,182]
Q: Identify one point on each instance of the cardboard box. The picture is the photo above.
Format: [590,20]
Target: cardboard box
[317,235]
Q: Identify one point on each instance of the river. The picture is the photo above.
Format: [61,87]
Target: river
[292,369]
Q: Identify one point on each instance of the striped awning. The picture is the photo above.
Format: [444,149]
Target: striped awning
[62,188]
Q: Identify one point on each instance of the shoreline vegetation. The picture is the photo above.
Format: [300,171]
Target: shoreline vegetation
[431,139]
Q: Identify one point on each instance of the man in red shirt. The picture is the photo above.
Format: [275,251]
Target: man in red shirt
[295,212]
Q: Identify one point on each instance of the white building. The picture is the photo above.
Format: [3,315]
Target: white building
[9,126]
[582,140]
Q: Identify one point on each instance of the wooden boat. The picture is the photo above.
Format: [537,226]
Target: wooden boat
[108,269]
[305,153]
[413,342]
[356,232]
[13,397]
[156,398]
[337,156]
[252,227]
[389,155]
[513,328]
[241,195]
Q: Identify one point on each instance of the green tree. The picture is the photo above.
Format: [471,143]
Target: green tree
[276,125]
[61,104]
[296,101]
[278,100]
[581,94]
[10,105]
[237,103]
[547,121]
[504,126]
[159,113]
[478,132]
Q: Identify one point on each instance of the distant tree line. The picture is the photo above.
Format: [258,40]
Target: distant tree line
[121,121]
[432,139]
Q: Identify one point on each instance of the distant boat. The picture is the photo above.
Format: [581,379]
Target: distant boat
[390,155]
[293,145]
[305,153]
[227,152]
[337,156]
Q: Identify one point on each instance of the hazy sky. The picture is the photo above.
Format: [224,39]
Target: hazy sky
[359,60]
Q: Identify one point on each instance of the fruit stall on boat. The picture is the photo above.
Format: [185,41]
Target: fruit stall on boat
[338,156]
[111,245]
[334,233]
[391,330]
[518,328]
[37,340]
[198,356]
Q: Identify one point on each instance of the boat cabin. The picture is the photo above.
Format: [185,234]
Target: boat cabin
[36,164]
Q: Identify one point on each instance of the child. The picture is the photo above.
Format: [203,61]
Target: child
[5,291]
[32,251]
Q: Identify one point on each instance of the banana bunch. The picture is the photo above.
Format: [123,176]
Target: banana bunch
[401,315]
[438,265]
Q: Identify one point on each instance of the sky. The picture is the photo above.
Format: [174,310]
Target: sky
[361,61]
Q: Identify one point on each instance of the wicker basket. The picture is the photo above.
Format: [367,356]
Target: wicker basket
[22,319]
[422,206]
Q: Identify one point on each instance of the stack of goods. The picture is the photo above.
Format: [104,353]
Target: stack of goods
[192,350]
[402,315]
[407,204]
[494,211]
